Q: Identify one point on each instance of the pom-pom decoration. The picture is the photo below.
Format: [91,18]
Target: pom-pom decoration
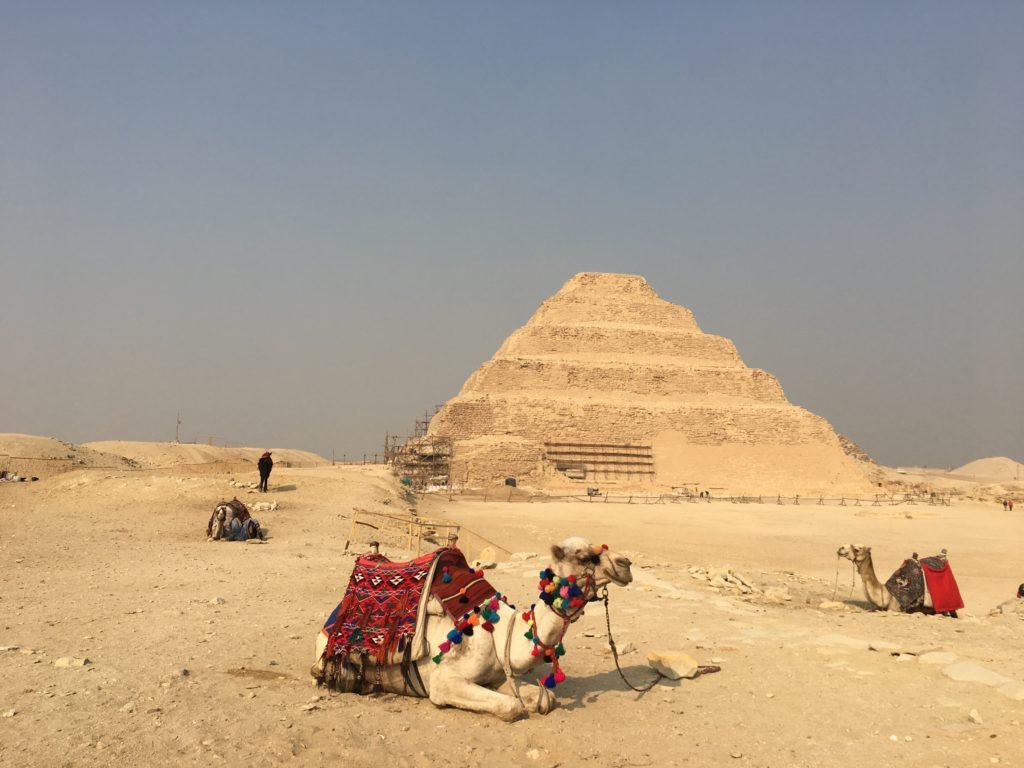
[484,615]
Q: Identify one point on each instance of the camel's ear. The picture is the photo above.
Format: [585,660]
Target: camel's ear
[557,552]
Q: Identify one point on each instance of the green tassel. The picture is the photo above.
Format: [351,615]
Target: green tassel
[560,650]
[528,634]
[437,659]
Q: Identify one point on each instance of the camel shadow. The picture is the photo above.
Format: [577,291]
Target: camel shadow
[863,605]
[284,488]
[587,689]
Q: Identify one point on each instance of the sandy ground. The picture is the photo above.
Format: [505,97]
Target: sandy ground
[198,653]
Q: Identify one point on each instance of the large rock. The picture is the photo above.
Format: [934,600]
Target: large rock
[1013,690]
[969,672]
[675,665]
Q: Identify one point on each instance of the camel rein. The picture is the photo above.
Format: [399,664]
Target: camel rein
[615,653]
[853,578]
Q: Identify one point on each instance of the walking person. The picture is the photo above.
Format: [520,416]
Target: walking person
[265,464]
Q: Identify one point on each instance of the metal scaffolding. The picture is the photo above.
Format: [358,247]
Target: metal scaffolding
[420,460]
[601,461]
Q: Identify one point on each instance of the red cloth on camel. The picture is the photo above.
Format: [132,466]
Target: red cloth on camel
[942,586]
[377,615]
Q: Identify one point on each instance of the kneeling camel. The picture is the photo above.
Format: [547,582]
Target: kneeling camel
[476,673]
[908,589]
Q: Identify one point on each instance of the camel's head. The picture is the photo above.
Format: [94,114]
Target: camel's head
[857,553]
[576,556]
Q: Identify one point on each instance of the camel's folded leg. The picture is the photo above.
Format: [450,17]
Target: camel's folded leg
[450,690]
[537,698]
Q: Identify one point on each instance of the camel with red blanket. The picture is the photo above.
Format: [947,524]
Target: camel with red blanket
[435,628]
[926,584]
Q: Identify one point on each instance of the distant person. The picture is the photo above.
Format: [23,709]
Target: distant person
[1010,502]
[265,464]
[1006,505]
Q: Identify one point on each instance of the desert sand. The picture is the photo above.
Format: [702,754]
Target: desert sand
[126,638]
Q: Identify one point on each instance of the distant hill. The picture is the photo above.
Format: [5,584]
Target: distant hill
[155,455]
[996,468]
[48,456]
[34,455]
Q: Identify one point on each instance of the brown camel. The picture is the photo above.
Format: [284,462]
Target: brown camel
[878,594]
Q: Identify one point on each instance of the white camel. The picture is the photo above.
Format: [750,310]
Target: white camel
[470,674]
[877,593]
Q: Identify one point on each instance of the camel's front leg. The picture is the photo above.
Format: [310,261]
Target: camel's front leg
[537,698]
[448,689]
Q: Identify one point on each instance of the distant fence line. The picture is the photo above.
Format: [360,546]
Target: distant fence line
[368,458]
[205,467]
[510,494]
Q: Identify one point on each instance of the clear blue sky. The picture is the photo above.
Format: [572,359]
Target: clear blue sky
[302,224]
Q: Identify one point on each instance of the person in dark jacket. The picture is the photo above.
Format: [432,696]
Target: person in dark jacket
[265,464]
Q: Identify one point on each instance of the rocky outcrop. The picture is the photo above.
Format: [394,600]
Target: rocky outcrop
[613,374]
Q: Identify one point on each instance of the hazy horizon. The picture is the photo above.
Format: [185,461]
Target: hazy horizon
[305,225]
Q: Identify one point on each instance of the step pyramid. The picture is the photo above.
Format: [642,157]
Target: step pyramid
[609,385]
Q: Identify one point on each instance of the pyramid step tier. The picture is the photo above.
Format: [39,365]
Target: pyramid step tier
[555,419]
[670,379]
[619,344]
[580,310]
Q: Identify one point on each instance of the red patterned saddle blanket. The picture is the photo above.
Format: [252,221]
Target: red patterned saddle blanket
[385,603]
